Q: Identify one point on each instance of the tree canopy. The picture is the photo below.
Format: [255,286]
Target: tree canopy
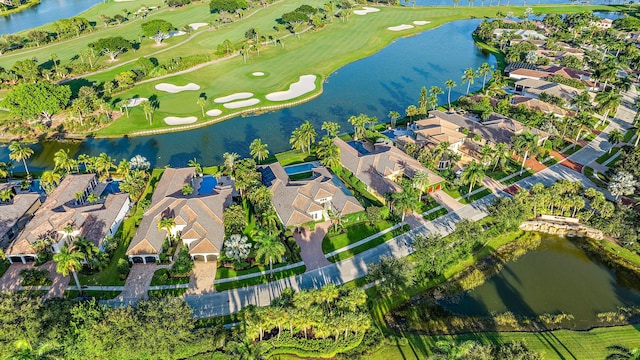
[29,101]
[112,46]
[217,6]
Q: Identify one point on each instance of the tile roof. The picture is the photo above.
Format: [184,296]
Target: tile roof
[13,211]
[538,87]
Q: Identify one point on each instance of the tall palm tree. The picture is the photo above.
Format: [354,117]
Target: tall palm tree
[123,104]
[62,161]
[332,128]
[336,219]
[195,164]
[434,91]
[525,144]
[104,164]
[69,261]
[619,352]
[230,161]
[308,134]
[201,102]
[469,77]
[259,150]
[147,108]
[473,174]
[297,140]
[420,182]
[359,122]
[608,101]
[85,247]
[167,224]
[134,183]
[501,154]
[404,202]
[449,84]
[269,248]
[615,136]
[394,116]
[49,180]
[486,155]
[485,70]
[20,152]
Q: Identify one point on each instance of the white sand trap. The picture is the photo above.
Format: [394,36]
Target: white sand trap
[307,83]
[174,120]
[135,102]
[242,103]
[214,112]
[400,27]
[236,96]
[365,10]
[258,73]
[421,22]
[196,26]
[170,88]
[177,33]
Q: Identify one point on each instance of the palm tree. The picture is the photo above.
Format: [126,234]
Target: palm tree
[404,202]
[49,180]
[25,351]
[85,247]
[201,102]
[434,91]
[525,144]
[615,136]
[259,150]
[269,248]
[297,140]
[230,161]
[195,164]
[501,154]
[449,84]
[62,161]
[608,101]
[92,198]
[134,183]
[20,152]
[622,183]
[123,104]
[359,122]
[167,224]
[308,134]
[103,165]
[473,174]
[336,219]
[420,182]
[394,115]
[619,352]
[469,77]
[485,70]
[69,261]
[332,128]
[328,152]
[147,108]
[6,194]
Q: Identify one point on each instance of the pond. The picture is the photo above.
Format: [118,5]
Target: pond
[48,11]
[555,277]
[388,80]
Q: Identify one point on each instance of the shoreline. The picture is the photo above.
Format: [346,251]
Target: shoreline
[21,8]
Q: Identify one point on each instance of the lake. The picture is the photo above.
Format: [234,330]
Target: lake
[48,11]
[555,277]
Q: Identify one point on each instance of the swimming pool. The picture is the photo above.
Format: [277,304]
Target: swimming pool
[300,168]
[112,187]
[207,184]
[358,146]
[337,182]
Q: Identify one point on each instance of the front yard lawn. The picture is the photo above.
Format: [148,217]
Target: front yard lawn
[572,149]
[525,174]
[352,233]
[607,155]
[436,214]
[475,196]
[368,245]
[160,279]
[98,294]
[258,279]
[166,293]
[225,272]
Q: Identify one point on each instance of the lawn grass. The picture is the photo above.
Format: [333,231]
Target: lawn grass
[590,136]
[166,293]
[607,155]
[352,234]
[98,294]
[475,196]
[550,161]
[427,205]
[572,149]
[211,170]
[293,157]
[559,344]
[224,272]
[368,245]
[436,214]
[300,176]
[629,135]
[155,280]
[603,126]
[260,279]
[588,171]
[517,178]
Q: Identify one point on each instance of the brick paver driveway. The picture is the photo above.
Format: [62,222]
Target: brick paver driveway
[138,282]
[445,200]
[59,282]
[11,280]
[311,245]
[202,277]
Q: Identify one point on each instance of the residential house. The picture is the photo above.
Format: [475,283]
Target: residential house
[198,217]
[602,24]
[15,213]
[67,206]
[302,201]
[524,34]
[380,166]
[523,73]
[536,104]
[533,88]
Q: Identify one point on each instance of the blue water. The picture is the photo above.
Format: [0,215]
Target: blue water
[358,146]
[407,64]
[48,11]
[341,185]
[112,188]
[35,187]
[299,168]
[207,185]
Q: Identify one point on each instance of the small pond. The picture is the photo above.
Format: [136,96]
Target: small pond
[555,277]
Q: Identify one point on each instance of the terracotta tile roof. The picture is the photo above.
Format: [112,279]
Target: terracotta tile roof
[204,246]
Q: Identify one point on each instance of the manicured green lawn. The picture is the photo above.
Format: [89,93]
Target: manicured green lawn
[353,233]
[572,149]
[427,204]
[260,279]
[368,245]
[560,344]
[475,197]
[510,181]
[166,293]
[436,214]
[607,155]
[98,294]
[169,281]
[550,161]
[294,157]
[629,135]
[224,272]
[588,171]
[300,176]
[460,191]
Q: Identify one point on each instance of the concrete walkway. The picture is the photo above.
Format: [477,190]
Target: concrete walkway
[311,245]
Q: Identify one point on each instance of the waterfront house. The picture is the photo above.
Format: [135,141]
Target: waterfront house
[67,207]
[533,88]
[16,212]
[198,216]
[302,201]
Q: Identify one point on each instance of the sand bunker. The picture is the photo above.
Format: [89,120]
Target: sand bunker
[170,88]
[421,22]
[306,84]
[135,102]
[196,26]
[258,73]
[236,96]
[174,120]
[177,33]
[400,27]
[365,10]
[242,103]
[214,112]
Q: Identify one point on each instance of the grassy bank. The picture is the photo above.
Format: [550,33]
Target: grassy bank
[20,8]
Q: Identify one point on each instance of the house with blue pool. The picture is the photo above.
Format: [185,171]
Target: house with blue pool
[66,208]
[196,205]
[303,201]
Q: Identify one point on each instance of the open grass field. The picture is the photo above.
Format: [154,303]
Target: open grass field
[318,52]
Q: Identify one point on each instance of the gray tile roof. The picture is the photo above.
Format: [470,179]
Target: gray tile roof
[16,209]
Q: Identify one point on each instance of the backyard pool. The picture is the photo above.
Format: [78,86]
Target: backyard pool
[207,184]
[300,168]
[391,134]
[358,146]
[112,187]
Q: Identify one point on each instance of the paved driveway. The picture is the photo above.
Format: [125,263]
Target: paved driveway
[311,245]
[202,277]
[59,282]
[445,200]
[138,281]
[11,280]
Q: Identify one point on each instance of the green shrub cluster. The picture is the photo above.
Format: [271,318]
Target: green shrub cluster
[35,277]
